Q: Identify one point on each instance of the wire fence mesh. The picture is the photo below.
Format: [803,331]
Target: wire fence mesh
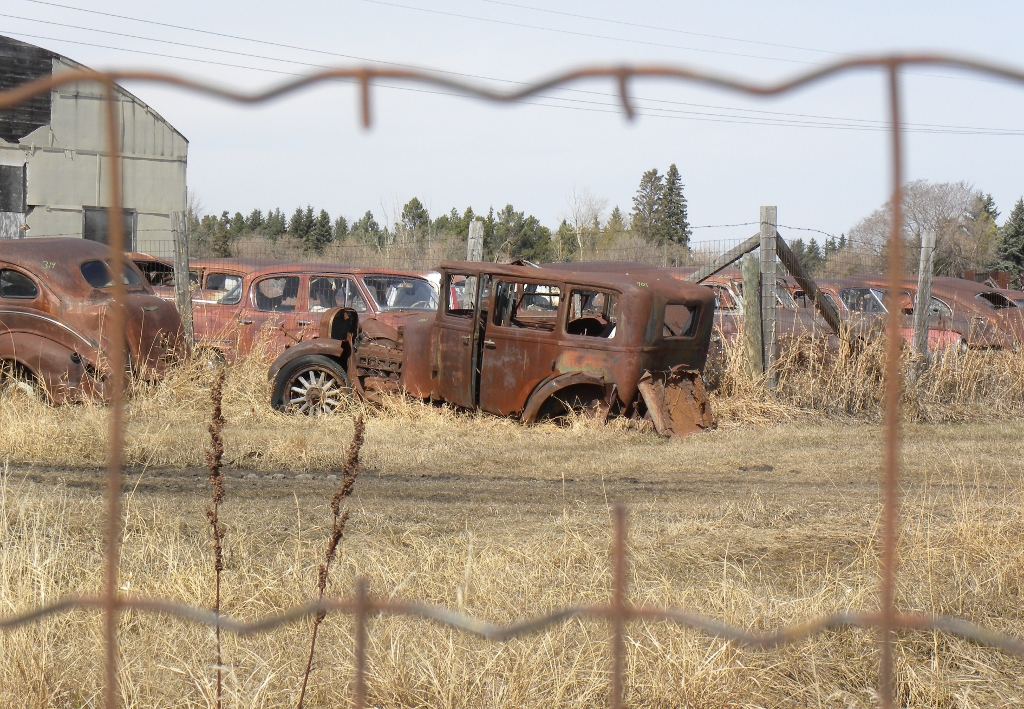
[887,619]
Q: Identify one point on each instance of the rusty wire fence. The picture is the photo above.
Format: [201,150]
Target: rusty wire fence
[620,612]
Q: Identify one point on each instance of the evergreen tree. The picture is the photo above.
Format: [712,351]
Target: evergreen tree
[565,241]
[673,225]
[516,235]
[1010,252]
[368,230]
[320,233]
[813,257]
[340,228]
[988,207]
[275,224]
[415,216]
[295,225]
[254,222]
[219,238]
[647,205]
[616,223]
[237,225]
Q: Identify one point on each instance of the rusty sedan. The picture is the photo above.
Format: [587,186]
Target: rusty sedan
[242,303]
[525,342]
[56,302]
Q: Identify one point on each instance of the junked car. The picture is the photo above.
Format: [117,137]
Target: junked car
[56,300]
[239,303]
[524,342]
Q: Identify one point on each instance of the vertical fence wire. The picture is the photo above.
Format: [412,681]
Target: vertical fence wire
[118,359]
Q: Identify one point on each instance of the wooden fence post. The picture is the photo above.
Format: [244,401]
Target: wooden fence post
[182,283]
[475,242]
[924,293]
[752,344]
[768,285]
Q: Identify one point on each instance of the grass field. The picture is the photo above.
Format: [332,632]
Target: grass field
[769,520]
[759,526]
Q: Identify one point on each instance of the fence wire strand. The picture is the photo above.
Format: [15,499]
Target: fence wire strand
[619,612]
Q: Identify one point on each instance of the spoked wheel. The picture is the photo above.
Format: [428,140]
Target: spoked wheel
[311,385]
[18,384]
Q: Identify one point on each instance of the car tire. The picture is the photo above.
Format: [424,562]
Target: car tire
[312,384]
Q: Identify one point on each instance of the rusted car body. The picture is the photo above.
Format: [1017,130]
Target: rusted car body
[237,302]
[962,313]
[525,342]
[55,306]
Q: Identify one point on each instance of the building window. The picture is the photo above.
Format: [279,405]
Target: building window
[94,226]
[12,189]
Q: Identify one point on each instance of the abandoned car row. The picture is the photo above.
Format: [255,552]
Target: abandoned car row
[512,340]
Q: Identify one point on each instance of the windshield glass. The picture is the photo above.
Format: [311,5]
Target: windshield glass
[98,275]
[401,293]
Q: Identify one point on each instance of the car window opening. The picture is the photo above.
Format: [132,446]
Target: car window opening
[277,295]
[592,313]
[326,292]
[400,293]
[680,321]
[98,275]
[526,305]
[997,301]
[14,284]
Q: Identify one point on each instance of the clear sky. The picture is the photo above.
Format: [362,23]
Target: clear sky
[820,155]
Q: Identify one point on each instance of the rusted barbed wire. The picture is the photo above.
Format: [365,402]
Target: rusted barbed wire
[887,620]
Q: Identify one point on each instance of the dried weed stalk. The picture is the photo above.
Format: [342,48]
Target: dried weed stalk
[214,461]
[349,473]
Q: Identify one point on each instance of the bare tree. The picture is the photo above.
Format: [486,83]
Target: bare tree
[965,233]
[584,213]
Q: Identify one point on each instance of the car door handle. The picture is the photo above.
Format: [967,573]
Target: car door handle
[305,322]
[465,339]
[490,344]
[245,322]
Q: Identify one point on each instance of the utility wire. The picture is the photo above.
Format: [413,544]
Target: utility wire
[867,121]
[614,108]
[624,23]
[582,34]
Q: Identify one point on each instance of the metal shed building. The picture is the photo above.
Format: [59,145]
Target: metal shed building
[54,161]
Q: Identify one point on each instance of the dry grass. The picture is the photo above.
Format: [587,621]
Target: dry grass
[757,525]
[753,558]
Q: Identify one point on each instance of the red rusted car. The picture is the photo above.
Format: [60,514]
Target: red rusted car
[522,341]
[55,304]
[238,302]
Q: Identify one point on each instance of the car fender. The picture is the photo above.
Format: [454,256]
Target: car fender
[336,349]
[552,385]
[60,370]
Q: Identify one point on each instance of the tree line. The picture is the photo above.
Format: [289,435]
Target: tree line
[659,216]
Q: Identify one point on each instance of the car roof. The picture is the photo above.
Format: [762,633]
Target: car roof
[624,276]
[66,254]
[259,267]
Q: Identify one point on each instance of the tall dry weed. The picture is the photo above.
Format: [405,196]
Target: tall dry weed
[813,378]
[349,473]
[215,462]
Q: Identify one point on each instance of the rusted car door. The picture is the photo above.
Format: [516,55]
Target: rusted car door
[274,306]
[520,345]
[464,300]
[216,309]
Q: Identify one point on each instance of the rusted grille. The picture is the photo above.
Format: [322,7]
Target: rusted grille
[361,605]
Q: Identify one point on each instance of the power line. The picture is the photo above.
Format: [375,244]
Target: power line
[662,29]
[651,44]
[648,111]
[879,123]
[581,34]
